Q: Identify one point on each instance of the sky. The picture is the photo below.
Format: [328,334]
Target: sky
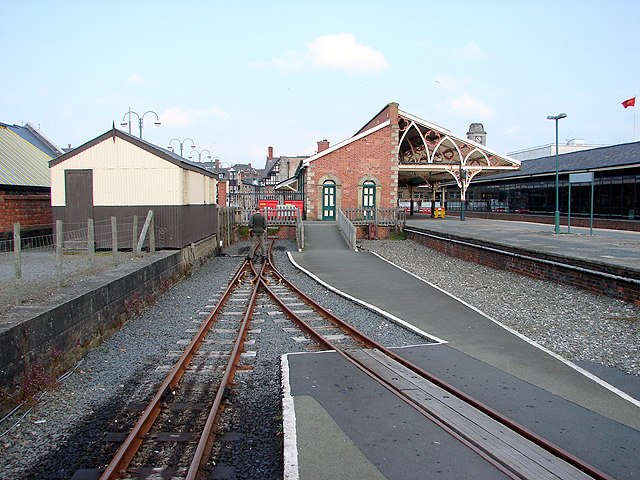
[233,78]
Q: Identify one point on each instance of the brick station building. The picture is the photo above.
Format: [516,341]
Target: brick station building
[392,155]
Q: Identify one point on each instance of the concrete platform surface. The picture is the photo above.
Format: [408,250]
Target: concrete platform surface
[582,413]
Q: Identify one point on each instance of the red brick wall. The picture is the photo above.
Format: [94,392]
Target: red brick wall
[30,210]
[379,233]
[390,112]
[373,157]
[222,194]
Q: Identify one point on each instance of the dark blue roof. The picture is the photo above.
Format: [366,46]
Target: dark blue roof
[602,158]
[35,138]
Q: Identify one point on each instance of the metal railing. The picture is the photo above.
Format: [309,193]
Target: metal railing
[248,200]
[280,215]
[347,228]
[379,216]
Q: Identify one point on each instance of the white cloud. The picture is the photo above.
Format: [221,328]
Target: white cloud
[290,60]
[176,117]
[470,51]
[342,52]
[332,52]
[472,108]
[183,118]
[135,79]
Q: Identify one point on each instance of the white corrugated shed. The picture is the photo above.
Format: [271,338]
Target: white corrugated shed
[129,171]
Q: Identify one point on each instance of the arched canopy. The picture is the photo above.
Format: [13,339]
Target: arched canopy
[436,155]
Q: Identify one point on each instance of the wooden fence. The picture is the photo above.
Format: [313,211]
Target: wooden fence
[385,217]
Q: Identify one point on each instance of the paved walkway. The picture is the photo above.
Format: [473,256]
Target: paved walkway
[503,370]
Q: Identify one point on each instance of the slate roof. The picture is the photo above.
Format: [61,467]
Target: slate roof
[269,164]
[21,162]
[626,155]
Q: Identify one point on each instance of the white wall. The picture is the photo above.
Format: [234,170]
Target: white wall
[124,174]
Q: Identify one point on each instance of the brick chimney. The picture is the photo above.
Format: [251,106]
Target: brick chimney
[270,154]
[323,145]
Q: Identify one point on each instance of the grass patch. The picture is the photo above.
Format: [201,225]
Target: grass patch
[397,235]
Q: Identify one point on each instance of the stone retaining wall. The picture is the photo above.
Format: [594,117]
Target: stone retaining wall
[39,342]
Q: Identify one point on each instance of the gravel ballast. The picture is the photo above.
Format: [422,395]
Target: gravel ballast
[63,431]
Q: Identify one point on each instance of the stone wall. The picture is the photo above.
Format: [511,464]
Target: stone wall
[50,338]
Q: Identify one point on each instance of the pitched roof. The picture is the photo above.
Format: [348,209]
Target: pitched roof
[35,137]
[626,155]
[269,164]
[21,162]
[144,145]
[429,151]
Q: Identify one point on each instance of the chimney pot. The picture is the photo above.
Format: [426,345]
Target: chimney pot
[270,154]
[323,145]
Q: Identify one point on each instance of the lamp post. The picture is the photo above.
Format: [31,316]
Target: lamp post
[463,193]
[181,143]
[140,120]
[557,213]
[194,151]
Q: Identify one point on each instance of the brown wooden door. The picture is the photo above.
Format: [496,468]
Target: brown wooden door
[78,186]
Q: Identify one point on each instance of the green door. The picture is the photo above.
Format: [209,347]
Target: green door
[329,201]
[369,199]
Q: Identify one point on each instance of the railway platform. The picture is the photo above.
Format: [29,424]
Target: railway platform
[347,427]
[619,248]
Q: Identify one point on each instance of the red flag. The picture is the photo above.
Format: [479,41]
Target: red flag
[629,103]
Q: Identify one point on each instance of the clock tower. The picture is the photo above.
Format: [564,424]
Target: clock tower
[477,134]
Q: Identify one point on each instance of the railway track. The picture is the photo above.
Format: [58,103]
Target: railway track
[176,433]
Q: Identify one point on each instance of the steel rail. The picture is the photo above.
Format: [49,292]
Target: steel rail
[490,412]
[319,338]
[206,438]
[134,439]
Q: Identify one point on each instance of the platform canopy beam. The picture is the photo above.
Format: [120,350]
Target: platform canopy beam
[437,155]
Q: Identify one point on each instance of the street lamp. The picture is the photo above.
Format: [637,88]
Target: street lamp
[199,154]
[193,144]
[557,214]
[140,120]
[463,193]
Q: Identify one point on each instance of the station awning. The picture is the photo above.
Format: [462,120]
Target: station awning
[430,154]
